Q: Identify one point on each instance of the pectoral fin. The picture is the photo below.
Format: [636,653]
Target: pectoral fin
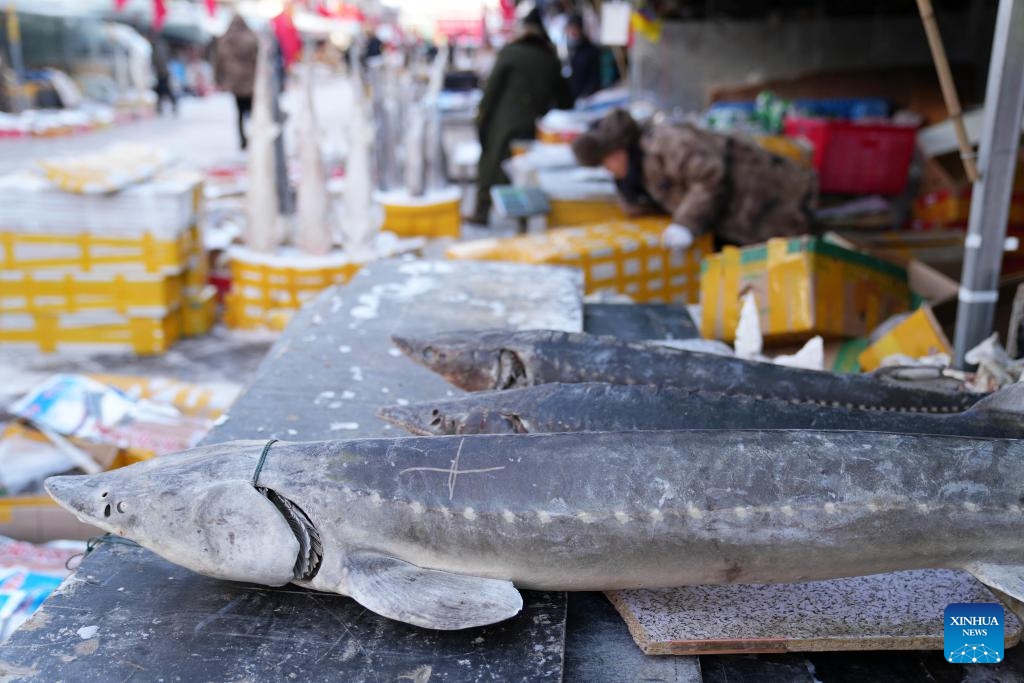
[1005,579]
[428,597]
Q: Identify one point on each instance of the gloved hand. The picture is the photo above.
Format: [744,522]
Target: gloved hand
[677,237]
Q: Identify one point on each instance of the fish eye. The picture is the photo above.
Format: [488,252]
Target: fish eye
[428,353]
[121,507]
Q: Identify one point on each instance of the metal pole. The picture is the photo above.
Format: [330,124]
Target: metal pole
[990,202]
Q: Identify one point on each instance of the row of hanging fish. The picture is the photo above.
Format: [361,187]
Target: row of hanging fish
[319,224]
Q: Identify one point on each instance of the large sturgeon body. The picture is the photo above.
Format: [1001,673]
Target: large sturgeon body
[502,359]
[439,531]
[601,407]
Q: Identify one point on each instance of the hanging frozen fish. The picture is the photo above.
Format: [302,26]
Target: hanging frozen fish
[358,227]
[263,226]
[415,170]
[598,407]
[433,155]
[385,105]
[314,228]
[441,531]
[499,359]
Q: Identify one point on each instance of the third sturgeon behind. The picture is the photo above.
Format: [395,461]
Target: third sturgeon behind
[597,407]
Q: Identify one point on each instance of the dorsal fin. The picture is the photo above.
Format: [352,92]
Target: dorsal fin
[1008,400]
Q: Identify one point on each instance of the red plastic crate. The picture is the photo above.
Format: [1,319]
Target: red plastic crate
[854,158]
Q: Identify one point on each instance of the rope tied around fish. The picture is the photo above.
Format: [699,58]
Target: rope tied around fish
[94,541]
[261,462]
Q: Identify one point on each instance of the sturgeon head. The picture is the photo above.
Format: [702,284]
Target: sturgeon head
[474,361]
[199,509]
[453,417]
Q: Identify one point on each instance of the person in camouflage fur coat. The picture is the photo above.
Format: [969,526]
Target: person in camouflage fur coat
[707,182]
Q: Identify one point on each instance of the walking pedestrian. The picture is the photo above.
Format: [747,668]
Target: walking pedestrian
[162,68]
[584,60]
[235,68]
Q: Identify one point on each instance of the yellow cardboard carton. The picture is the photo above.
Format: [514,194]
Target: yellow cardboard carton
[919,334]
[803,286]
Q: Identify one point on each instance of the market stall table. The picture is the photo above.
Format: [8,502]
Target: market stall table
[127,614]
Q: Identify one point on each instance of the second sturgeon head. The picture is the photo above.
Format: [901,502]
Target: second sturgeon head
[474,361]
[452,417]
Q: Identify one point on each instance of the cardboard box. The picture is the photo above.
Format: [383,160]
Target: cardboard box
[941,249]
[918,335]
[37,519]
[803,286]
[906,87]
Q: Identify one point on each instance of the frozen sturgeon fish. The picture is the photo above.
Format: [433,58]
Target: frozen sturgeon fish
[440,532]
[503,359]
[600,407]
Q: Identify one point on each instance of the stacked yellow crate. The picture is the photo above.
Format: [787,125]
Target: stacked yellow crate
[266,289]
[622,256]
[124,270]
[571,212]
[434,215]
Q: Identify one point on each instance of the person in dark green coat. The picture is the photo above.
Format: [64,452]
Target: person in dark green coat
[525,84]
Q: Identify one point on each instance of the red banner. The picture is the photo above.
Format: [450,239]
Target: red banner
[159,14]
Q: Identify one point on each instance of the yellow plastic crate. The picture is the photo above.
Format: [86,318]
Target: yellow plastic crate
[241,315]
[85,251]
[803,286]
[199,312]
[624,257]
[412,217]
[266,289]
[572,212]
[73,291]
[51,331]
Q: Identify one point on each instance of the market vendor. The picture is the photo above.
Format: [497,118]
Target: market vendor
[707,182]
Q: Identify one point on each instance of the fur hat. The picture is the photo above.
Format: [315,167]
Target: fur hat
[615,131]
